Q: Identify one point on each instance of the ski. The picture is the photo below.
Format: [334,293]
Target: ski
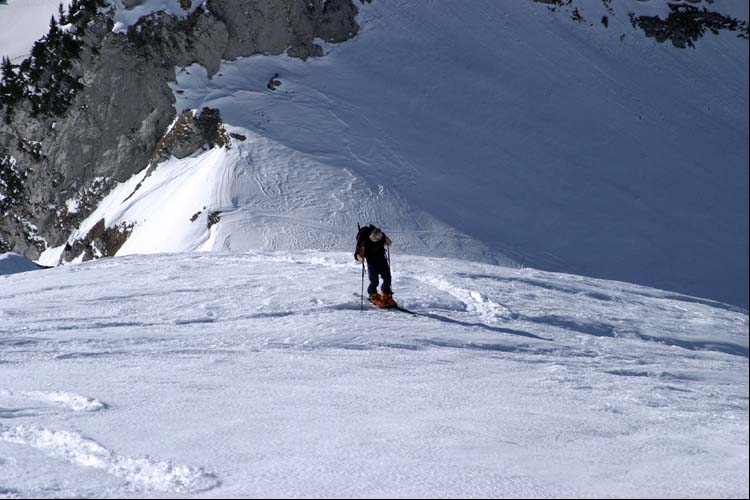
[399,308]
[391,308]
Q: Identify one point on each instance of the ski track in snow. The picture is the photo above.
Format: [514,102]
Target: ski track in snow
[473,300]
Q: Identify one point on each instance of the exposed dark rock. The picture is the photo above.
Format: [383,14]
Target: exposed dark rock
[211,128]
[285,25]
[686,24]
[85,202]
[214,218]
[180,141]
[189,134]
[101,241]
[273,82]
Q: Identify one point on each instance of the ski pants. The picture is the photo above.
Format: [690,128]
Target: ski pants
[379,268]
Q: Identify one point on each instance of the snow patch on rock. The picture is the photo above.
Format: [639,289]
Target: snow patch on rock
[125,16]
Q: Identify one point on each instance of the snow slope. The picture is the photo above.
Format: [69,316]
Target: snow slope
[554,143]
[503,133]
[256,375]
[266,196]
[11,263]
[23,22]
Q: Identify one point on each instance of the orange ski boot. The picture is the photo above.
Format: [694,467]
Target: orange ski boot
[377,300]
[388,300]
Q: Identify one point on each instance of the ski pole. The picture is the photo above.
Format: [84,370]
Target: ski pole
[388,257]
[362,295]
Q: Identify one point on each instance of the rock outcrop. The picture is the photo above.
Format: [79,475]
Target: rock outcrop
[100,103]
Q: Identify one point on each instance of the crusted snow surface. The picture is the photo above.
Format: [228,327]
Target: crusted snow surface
[257,375]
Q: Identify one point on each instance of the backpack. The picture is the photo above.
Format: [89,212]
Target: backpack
[362,234]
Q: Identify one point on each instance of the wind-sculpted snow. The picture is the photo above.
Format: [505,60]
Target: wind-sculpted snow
[257,375]
[144,473]
[75,402]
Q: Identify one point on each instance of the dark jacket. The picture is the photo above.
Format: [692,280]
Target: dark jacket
[372,250]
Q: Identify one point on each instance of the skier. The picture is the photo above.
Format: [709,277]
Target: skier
[371,246]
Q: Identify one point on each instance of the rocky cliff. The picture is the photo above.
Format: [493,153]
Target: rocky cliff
[91,105]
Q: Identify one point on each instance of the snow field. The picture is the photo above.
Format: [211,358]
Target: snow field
[257,375]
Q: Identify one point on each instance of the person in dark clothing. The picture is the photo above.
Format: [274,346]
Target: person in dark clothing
[371,247]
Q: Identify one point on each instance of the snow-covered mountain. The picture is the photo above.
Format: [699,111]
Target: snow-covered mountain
[601,138]
[256,375]
[247,138]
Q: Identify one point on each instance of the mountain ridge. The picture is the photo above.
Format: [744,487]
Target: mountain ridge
[473,148]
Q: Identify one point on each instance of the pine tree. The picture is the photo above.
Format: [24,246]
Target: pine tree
[61,14]
[53,29]
[11,85]
[7,66]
